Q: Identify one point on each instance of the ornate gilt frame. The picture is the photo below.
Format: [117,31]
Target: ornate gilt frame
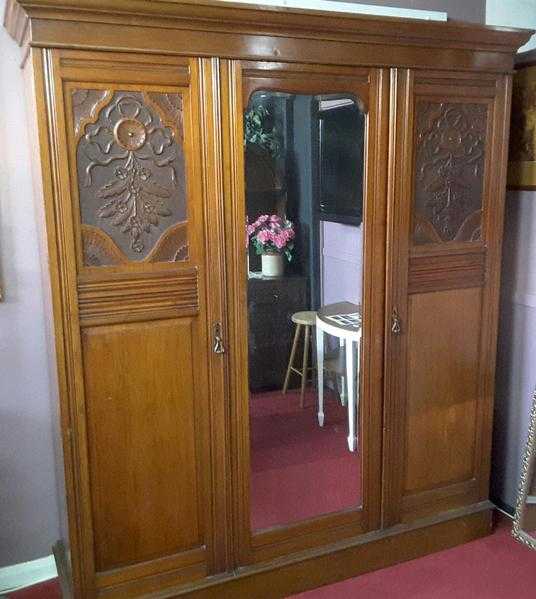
[527,469]
[522,160]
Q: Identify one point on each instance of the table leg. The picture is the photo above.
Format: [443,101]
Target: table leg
[351,398]
[357,389]
[305,364]
[341,377]
[320,373]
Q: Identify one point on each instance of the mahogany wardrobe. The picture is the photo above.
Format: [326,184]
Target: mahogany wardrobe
[140,129]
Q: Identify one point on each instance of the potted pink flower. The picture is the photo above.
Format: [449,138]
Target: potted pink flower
[272,237]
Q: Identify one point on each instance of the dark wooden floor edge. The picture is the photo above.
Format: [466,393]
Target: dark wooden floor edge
[319,567]
[64,571]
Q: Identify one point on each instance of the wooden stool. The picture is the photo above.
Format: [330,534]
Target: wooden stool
[305,319]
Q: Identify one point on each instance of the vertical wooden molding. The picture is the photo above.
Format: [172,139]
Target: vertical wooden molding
[234,186]
[398,230]
[372,366]
[211,126]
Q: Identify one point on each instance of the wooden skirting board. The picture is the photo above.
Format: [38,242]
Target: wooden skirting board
[26,574]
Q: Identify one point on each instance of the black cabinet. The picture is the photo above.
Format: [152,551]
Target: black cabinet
[271,303]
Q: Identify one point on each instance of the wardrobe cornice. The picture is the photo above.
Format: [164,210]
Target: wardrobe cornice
[260,33]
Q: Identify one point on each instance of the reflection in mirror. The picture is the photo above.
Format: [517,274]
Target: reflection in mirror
[525,519]
[304,195]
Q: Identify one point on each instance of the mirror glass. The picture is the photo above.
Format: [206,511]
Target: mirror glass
[304,162]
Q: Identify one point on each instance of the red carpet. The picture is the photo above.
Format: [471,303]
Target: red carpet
[496,567]
[299,470]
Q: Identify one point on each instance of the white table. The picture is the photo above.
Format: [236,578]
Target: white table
[342,320]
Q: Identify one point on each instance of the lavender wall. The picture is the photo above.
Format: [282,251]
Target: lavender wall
[516,359]
[342,263]
[28,507]
[513,13]
[461,10]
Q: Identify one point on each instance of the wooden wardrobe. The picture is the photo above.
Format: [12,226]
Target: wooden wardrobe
[138,135]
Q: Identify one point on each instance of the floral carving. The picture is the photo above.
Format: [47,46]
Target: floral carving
[86,103]
[169,108]
[131,174]
[450,154]
[135,203]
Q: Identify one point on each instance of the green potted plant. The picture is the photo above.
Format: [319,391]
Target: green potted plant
[257,133]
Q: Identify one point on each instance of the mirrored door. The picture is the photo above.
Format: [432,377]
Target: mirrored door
[304,207]
[311,276]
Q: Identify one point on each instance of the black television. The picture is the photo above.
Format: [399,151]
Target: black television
[341,128]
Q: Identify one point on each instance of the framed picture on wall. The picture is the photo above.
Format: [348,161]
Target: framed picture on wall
[522,159]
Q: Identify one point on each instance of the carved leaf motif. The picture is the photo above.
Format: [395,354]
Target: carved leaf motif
[113,188]
[450,154]
[108,210]
[156,190]
[129,158]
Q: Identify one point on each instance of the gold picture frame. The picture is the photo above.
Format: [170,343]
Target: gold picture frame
[525,517]
[522,160]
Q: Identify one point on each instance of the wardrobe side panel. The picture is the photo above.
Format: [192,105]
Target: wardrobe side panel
[33,69]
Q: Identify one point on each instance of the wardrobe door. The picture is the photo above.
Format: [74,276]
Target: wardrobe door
[304,476]
[448,161]
[135,212]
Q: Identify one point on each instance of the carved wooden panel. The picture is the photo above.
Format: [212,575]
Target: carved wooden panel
[449,171]
[131,176]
